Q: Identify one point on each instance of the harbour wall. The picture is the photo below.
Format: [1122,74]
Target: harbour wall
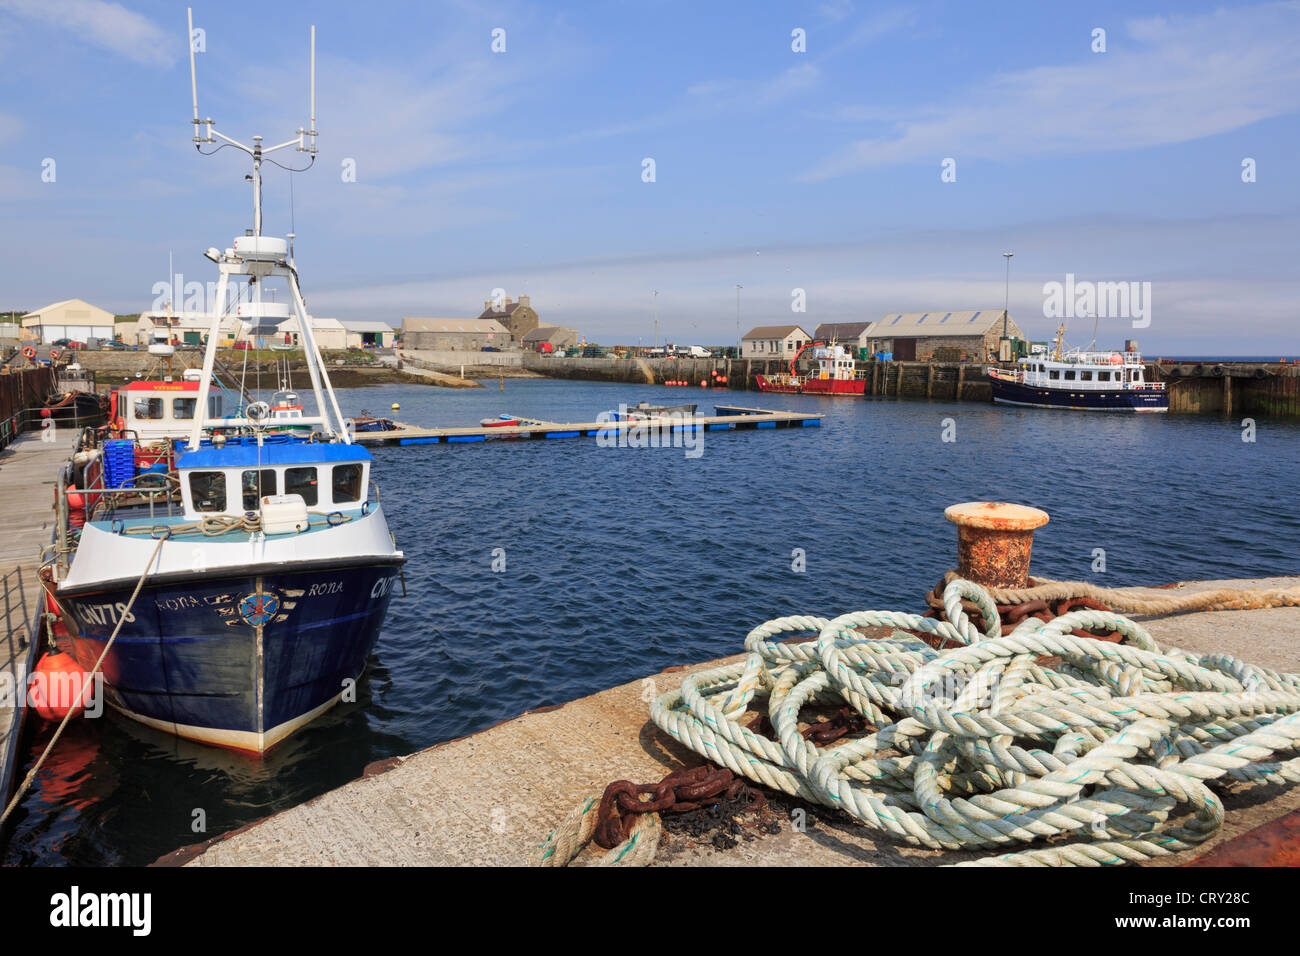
[949,380]
[1231,389]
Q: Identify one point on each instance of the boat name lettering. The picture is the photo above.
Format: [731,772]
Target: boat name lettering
[176,603]
[383,587]
[329,587]
[103,614]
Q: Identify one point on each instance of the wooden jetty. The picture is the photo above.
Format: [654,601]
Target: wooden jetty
[28,472]
[727,418]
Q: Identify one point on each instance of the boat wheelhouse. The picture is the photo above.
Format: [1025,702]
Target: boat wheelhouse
[159,410]
[287,413]
[1082,380]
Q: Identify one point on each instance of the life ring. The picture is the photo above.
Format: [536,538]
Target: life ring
[29,352]
[54,353]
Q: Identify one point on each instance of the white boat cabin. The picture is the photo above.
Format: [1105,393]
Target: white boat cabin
[240,477]
[835,362]
[1082,371]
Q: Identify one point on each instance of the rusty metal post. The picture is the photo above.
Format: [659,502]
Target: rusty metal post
[994,541]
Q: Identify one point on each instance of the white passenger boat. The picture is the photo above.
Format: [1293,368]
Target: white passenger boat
[1081,380]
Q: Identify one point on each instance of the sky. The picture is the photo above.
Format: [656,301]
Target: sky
[858,158]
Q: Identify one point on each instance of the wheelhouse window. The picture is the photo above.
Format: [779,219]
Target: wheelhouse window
[1103,376]
[148,409]
[1085,376]
[301,481]
[255,486]
[208,490]
[183,408]
[1069,375]
[347,483]
[1054,373]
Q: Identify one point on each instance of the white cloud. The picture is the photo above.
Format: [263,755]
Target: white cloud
[1164,80]
[109,26]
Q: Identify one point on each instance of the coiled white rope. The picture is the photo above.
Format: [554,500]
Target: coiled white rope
[982,745]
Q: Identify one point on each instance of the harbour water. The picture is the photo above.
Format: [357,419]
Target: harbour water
[541,571]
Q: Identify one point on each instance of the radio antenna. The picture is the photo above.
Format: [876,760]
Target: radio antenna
[304,141]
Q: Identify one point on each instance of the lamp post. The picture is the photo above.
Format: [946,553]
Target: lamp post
[738,288]
[1006,302]
[655,305]
[1004,346]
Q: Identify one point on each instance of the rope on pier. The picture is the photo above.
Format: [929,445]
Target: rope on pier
[1000,741]
[1146,601]
[569,839]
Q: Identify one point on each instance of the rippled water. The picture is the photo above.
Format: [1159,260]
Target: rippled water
[620,562]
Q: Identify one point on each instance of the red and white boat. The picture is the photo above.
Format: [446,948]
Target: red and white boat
[836,374]
[500,421]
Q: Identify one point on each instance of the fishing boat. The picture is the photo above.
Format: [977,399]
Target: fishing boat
[835,374]
[263,560]
[1085,380]
[286,414]
[74,400]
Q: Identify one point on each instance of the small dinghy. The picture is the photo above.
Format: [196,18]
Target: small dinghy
[500,421]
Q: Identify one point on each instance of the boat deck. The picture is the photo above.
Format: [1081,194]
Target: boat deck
[28,472]
[490,798]
[728,417]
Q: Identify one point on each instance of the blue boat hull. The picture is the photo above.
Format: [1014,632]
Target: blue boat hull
[1106,400]
[237,660]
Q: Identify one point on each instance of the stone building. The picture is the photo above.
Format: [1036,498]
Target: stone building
[460,335]
[851,335]
[941,336]
[554,336]
[518,317]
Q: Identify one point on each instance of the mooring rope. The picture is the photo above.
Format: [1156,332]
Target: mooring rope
[1146,601]
[214,525]
[569,839]
[87,683]
[996,742]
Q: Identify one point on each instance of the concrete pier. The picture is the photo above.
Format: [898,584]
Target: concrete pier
[488,799]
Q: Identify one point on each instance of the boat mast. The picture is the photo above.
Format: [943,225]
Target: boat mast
[258,258]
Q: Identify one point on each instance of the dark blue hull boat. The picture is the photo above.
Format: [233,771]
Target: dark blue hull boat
[1106,400]
[239,660]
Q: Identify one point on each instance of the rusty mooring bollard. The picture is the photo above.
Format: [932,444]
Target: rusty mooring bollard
[994,541]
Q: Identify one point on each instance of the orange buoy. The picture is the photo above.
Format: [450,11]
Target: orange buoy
[75,501]
[55,687]
[704,383]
